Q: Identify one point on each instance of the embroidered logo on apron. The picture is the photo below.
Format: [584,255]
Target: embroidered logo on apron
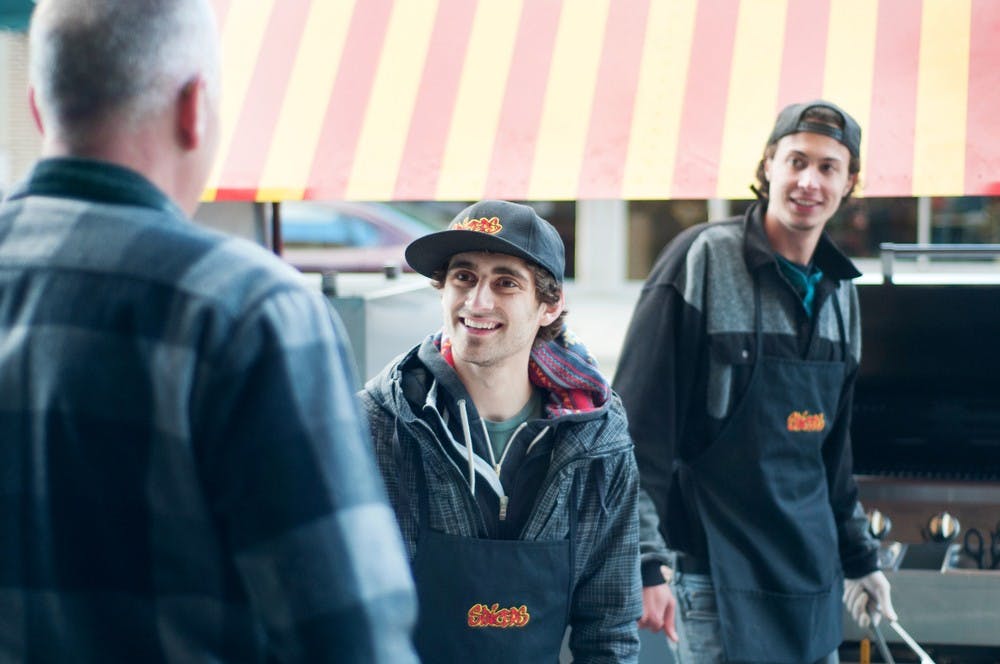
[483,225]
[806,421]
[481,615]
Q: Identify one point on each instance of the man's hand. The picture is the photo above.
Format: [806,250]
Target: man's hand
[658,606]
[859,593]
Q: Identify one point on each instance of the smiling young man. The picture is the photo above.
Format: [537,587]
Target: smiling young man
[737,374]
[507,457]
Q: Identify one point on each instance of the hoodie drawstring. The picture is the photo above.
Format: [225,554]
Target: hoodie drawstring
[533,441]
[468,445]
[470,453]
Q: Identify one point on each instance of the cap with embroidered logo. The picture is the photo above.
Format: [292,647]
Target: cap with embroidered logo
[498,226]
[790,121]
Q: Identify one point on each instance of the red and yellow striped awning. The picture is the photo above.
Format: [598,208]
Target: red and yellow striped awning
[566,99]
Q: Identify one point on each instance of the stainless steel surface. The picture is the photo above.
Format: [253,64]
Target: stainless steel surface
[890,250]
[951,607]
[940,492]
[384,317]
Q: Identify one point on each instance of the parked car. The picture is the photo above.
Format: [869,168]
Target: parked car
[347,236]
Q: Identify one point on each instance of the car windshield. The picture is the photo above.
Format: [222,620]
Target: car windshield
[348,224]
[348,236]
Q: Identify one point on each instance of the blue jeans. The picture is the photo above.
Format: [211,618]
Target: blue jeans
[698,622]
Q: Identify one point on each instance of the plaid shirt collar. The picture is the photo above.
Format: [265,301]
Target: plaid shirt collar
[93,180]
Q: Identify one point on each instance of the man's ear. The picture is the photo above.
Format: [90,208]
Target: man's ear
[35,113]
[851,181]
[191,111]
[552,311]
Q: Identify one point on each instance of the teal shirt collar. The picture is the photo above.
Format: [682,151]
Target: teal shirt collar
[803,280]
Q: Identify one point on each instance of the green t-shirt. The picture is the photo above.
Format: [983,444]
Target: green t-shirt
[500,432]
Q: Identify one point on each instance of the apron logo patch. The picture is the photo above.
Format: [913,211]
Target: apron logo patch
[806,421]
[482,225]
[481,615]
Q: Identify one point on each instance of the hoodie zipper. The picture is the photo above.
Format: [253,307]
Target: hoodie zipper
[498,465]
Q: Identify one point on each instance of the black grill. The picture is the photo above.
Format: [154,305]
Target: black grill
[927,401]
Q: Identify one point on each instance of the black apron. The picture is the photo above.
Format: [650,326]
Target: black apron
[485,600]
[761,492]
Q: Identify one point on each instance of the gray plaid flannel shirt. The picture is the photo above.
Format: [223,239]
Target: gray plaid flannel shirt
[183,473]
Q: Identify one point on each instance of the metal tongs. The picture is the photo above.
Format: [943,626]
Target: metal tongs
[883,647]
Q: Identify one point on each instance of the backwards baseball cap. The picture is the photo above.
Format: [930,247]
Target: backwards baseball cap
[790,122]
[498,226]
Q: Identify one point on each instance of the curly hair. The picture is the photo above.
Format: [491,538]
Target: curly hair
[820,115]
[547,291]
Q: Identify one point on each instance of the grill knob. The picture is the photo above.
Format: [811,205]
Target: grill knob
[943,527]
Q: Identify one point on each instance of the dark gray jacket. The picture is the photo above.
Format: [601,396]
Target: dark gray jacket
[411,406]
[683,367]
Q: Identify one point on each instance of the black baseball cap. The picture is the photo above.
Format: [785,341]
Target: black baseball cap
[498,226]
[790,122]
